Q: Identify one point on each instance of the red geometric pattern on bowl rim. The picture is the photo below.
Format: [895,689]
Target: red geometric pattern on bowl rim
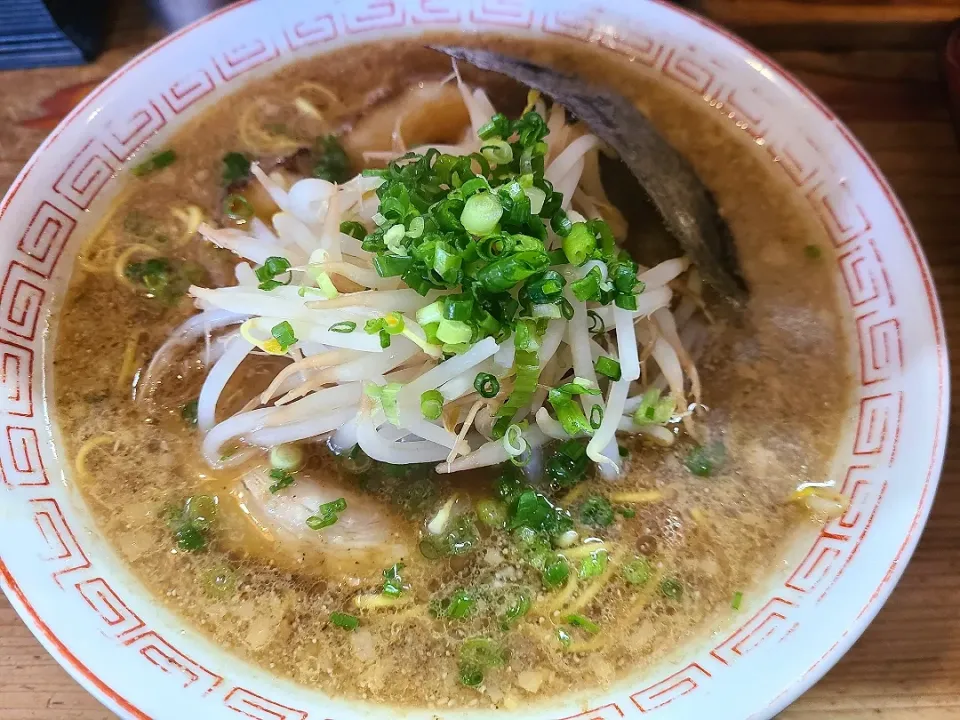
[25,288]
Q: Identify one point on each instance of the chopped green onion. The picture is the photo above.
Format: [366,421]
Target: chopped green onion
[236,167]
[453,332]
[189,413]
[486,384]
[704,459]
[556,572]
[345,621]
[219,581]
[625,301]
[283,334]
[578,244]
[737,599]
[458,307]
[569,413]
[325,285]
[155,162]
[345,326]
[569,463]
[537,198]
[272,267]
[332,163]
[327,514]
[513,441]
[476,656]
[519,607]
[393,323]
[281,479]
[596,323]
[238,208]
[564,637]
[546,287]
[596,512]
[596,416]
[637,571]
[431,404]
[392,582]
[461,605]
[491,513]
[588,287]
[354,229]
[671,588]
[505,273]
[432,313]
[481,213]
[385,395]
[498,152]
[594,564]
[416,227]
[653,409]
[582,622]
[608,367]
[192,523]
[393,239]
[813,252]
[287,456]
[391,265]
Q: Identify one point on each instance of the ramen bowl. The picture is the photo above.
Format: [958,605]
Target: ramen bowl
[142,661]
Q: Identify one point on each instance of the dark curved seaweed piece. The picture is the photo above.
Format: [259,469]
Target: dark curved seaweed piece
[686,205]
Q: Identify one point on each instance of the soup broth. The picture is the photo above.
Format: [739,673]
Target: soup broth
[676,544]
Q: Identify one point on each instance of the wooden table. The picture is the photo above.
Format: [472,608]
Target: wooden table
[907,664]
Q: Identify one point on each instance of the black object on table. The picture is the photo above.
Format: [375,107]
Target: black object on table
[34,33]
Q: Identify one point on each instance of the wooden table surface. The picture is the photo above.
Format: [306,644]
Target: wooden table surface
[907,664]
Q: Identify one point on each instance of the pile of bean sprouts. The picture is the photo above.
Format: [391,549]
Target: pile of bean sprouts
[320,394]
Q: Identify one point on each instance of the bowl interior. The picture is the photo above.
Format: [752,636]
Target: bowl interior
[142,661]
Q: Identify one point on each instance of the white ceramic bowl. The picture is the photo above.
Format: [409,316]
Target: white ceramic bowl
[144,662]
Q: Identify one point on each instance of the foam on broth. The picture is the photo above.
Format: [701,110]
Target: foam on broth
[774,379]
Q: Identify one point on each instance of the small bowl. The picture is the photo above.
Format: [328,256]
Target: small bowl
[142,661]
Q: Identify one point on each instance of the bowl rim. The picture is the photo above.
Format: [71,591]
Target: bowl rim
[116,702]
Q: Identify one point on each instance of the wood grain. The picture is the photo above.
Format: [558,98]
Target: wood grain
[829,23]
[907,664]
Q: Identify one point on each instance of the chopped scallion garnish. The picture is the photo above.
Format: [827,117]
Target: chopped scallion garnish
[354,229]
[237,208]
[596,511]
[583,622]
[236,167]
[461,605]
[283,334]
[578,244]
[281,479]
[594,564]
[671,588]
[596,323]
[486,384]
[431,404]
[345,621]
[327,514]
[155,162]
[481,213]
[737,600]
[189,413]
[608,367]
[345,326]
[271,268]
[596,416]
[392,582]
